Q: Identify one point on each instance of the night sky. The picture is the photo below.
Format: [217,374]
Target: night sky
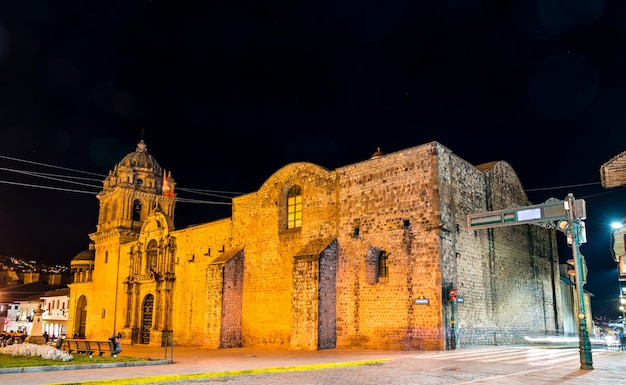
[225,93]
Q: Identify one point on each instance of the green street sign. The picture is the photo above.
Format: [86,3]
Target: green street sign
[545,212]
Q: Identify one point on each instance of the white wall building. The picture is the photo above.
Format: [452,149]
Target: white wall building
[55,316]
[13,313]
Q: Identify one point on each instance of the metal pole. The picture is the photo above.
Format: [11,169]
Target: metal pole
[453,326]
[586,361]
[622,303]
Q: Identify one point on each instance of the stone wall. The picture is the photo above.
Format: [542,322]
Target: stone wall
[393,201]
[508,277]
[270,248]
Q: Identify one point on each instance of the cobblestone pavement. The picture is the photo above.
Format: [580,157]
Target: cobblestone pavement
[500,366]
[482,365]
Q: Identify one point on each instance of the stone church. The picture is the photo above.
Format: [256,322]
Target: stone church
[374,254]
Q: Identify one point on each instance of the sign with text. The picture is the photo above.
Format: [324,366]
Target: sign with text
[545,212]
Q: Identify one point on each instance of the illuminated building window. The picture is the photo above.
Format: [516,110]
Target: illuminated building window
[294,207]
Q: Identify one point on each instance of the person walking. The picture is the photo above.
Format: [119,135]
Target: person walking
[622,340]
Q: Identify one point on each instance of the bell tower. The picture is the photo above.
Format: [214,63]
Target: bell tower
[136,187]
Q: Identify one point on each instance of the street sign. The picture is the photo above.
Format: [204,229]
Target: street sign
[545,212]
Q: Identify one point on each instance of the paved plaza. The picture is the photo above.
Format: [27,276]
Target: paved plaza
[481,365]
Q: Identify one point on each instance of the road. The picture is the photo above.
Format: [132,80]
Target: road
[482,365]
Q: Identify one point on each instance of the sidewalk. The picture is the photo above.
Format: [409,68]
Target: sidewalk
[188,365]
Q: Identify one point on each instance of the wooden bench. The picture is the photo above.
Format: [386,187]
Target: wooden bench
[90,347]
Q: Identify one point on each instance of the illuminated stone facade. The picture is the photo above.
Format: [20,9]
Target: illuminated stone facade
[368,266]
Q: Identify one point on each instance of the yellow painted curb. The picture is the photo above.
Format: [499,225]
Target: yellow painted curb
[228,373]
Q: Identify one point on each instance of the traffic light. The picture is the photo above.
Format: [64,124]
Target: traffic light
[571,267]
[452,294]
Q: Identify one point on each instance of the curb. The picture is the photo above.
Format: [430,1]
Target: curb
[30,369]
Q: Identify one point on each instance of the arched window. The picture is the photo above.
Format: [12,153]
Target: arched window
[137,210]
[376,264]
[294,207]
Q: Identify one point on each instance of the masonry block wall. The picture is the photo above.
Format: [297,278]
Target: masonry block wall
[393,202]
[270,307]
[327,309]
[508,277]
[198,291]
[306,271]
[232,292]
[105,307]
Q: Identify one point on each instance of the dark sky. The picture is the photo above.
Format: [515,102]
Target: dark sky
[225,93]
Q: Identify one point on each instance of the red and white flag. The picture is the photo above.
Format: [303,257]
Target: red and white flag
[167,190]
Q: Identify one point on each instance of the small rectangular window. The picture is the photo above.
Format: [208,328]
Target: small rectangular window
[383,269]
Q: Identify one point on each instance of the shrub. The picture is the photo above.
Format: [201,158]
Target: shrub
[44,351]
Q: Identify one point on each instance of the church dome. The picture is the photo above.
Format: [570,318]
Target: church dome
[140,159]
[86,255]
[138,169]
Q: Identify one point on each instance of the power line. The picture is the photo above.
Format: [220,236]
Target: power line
[59,178]
[49,165]
[214,193]
[44,175]
[178,199]
[208,192]
[186,200]
[562,187]
[47,187]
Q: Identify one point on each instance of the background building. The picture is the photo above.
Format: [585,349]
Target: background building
[55,304]
[20,301]
[612,175]
[367,255]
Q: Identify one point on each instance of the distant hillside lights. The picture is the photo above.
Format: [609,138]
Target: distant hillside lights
[14,270]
